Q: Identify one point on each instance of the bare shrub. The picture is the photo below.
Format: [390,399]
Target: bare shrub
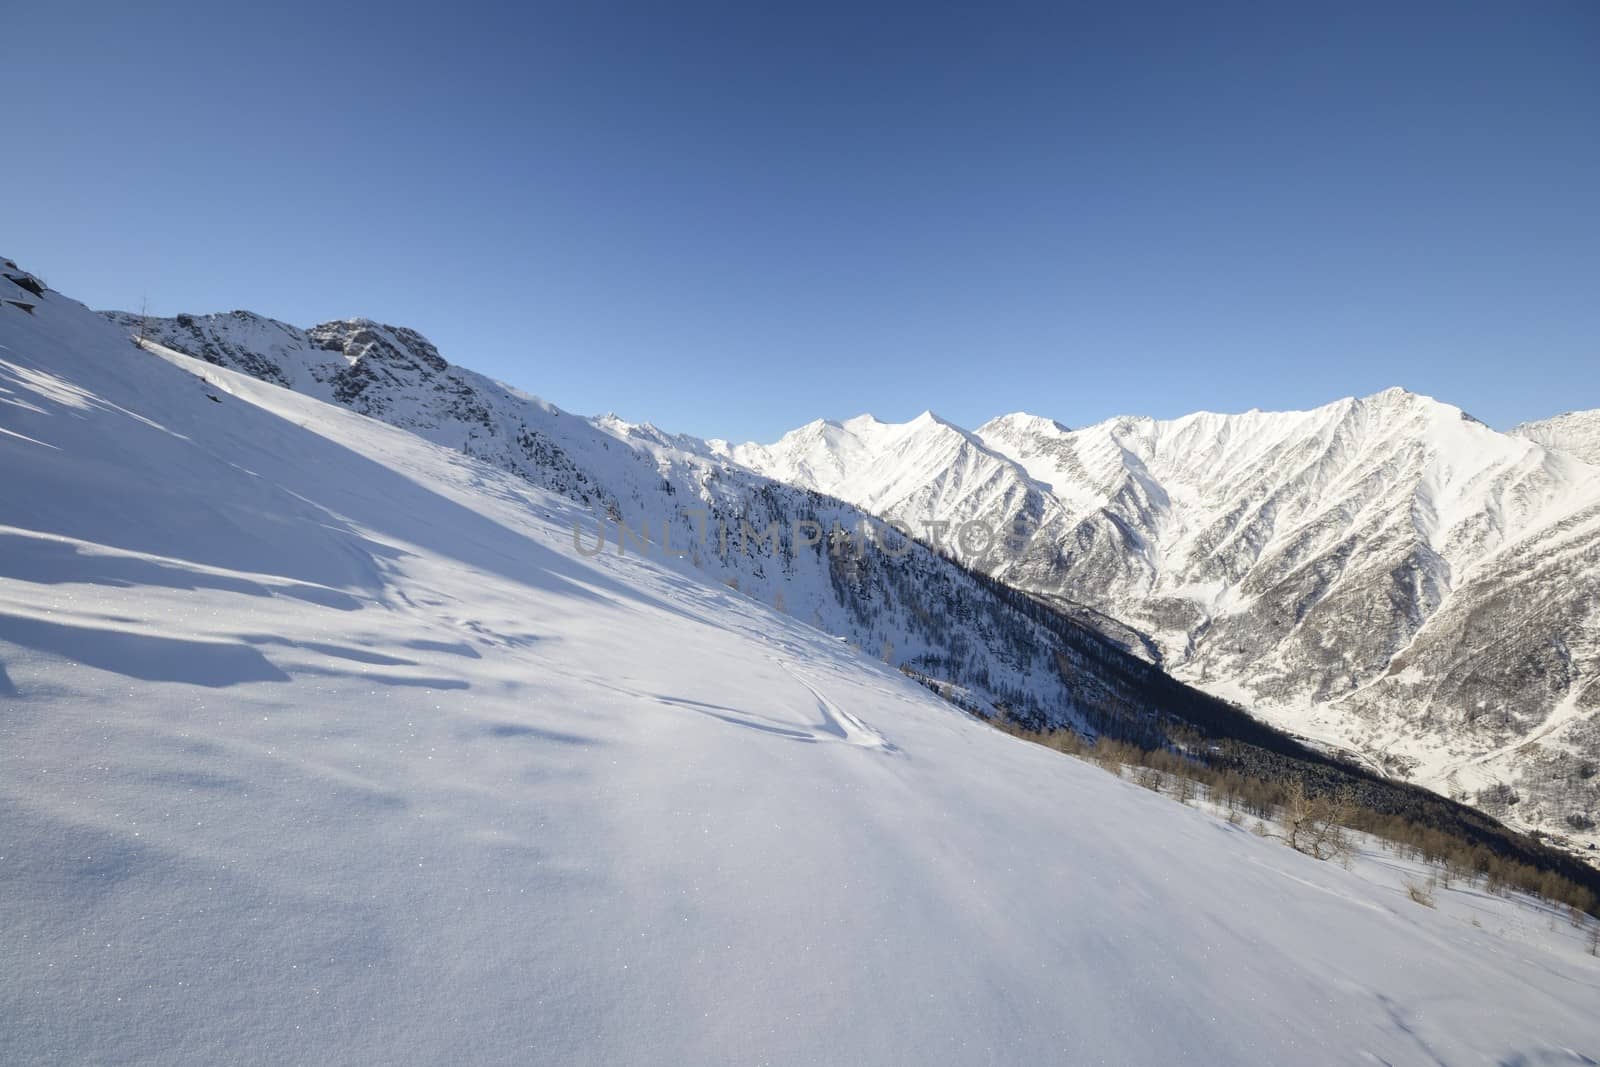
[1149,777]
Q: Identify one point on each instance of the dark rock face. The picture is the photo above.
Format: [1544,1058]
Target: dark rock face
[26,282]
[392,357]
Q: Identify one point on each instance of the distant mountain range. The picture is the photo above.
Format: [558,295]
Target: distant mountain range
[1385,574]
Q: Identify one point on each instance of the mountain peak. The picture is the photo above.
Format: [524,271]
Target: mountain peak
[865,421]
[363,339]
[1021,422]
[929,418]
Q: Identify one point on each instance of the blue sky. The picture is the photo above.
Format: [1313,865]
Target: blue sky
[730,220]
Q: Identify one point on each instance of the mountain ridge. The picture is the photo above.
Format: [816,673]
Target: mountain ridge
[1574,432]
[1244,546]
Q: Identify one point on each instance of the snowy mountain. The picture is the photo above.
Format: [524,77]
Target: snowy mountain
[1384,574]
[1576,432]
[323,744]
[823,561]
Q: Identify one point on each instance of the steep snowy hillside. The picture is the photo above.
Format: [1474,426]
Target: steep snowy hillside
[323,744]
[825,562]
[1577,432]
[1385,574]
[667,495]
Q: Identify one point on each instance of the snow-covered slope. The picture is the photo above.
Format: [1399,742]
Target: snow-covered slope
[982,645]
[825,562]
[1386,573]
[1577,432]
[322,744]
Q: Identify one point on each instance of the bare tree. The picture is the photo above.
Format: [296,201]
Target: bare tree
[1315,824]
[1183,789]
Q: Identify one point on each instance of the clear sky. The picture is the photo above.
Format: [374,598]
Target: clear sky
[732,219]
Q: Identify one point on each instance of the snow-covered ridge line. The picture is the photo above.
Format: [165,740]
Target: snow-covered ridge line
[1576,433]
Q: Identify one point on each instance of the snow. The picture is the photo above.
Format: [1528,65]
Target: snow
[1204,532]
[1576,432]
[321,744]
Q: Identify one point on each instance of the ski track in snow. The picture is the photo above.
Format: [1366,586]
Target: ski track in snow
[836,722]
[837,725]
